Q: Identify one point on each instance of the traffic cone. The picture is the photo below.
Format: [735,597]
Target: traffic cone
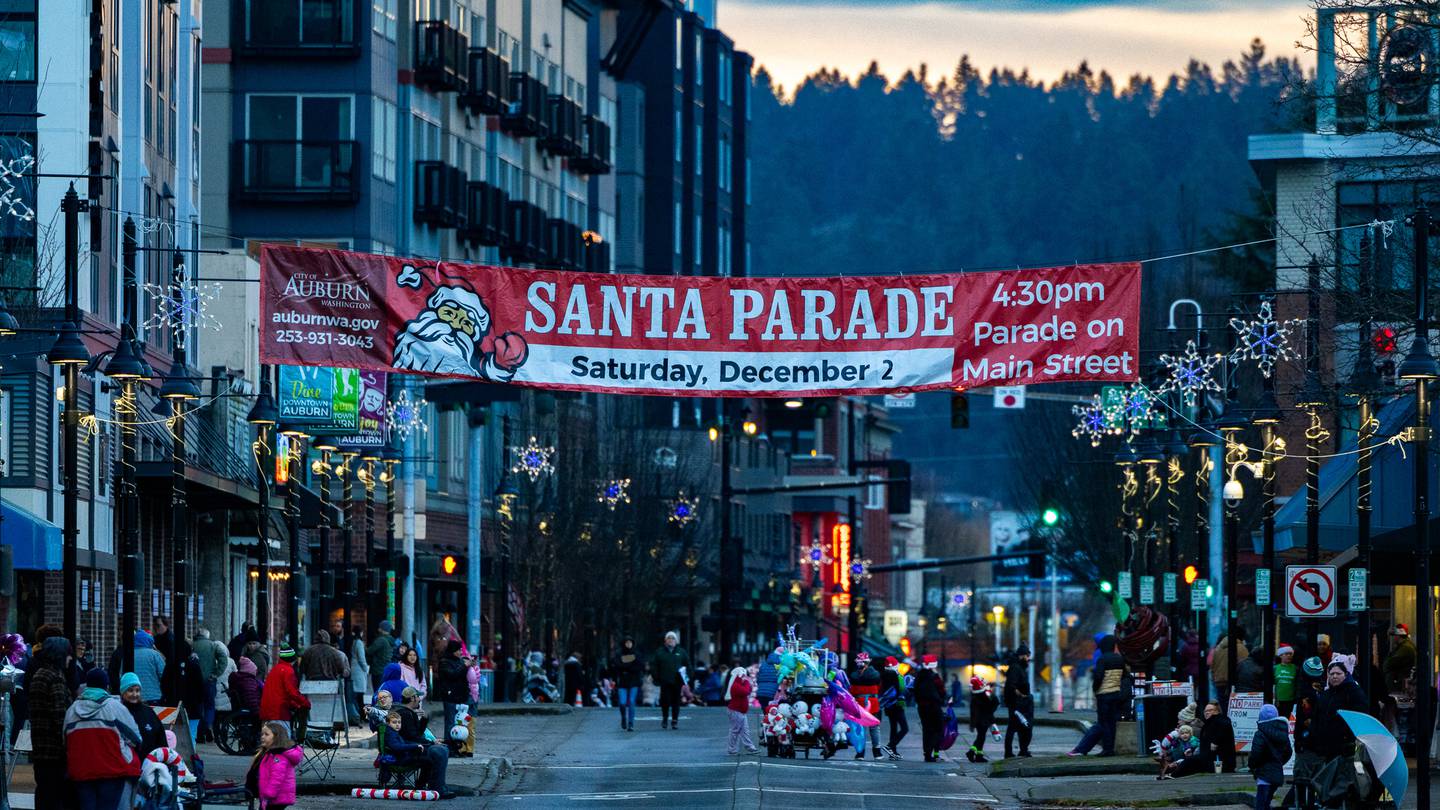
[578,702]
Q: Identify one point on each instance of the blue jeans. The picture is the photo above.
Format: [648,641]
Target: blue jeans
[1107,710]
[1263,795]
[438,758]
[102,794]
[625,698]
[207,719]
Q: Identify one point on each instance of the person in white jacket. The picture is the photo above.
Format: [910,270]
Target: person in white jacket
[222,684]
[359,675]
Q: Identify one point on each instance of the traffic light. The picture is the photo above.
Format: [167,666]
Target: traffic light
[1105,586]
[1035,566]
[1050,516]
[941,624]
[959,411]
[449,564]
[1049,507]
[1191,573]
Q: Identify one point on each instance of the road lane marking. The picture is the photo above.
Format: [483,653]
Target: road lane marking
[832,766]
[750,789]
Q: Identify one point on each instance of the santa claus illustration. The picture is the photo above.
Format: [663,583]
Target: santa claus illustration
[451,335]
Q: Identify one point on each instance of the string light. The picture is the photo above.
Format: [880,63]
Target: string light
[10,202]
[533,459]
[185,307]
[1264,340]
[1091,424]
[405,416]
[814,555]
[1190,373]
[683,510]
[614,492]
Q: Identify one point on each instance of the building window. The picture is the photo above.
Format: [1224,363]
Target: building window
[1359,203]
[679,43]
[17,49]
[797,443]
[699,148]
[427,139]
[679,135]
[724,269]
[383,135]
[302,22]
[609,114]
[384,16]
[699,60]
[699,230]
[723,181]
[748,184]
[679,228]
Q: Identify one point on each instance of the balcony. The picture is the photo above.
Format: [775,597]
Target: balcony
[296,171]
[290,29]
[439,194]
[565,119]
[440,57]
[486,207]
[597,257]
[489,83]
[566,245]
[594,155]
[524,115]
[525,235]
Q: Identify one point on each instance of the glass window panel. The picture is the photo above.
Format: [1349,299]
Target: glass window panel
[17,50]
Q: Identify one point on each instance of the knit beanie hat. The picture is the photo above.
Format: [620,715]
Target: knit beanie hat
[1268,712]
[97,679]
[286,652]
[1313,667]
[128,680]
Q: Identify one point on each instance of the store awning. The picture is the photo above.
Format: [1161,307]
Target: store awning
[37,542]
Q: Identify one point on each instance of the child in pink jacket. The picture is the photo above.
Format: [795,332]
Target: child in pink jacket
[275,766]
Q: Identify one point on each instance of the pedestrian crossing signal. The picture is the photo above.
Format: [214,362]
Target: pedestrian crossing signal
[1191,573]
[959,411]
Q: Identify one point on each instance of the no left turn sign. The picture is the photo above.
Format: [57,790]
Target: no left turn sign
[1310,591]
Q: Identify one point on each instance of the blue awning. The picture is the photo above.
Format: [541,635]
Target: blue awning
[37,542]
[1391,475]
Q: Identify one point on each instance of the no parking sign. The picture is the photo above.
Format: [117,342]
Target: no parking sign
[1310,591]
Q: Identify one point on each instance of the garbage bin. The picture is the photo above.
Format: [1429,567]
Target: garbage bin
[1156,716]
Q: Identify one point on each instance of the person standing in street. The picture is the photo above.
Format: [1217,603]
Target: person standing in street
[767,676]
[892,701]
[1400,663]
[1285,679]
[451,688]
[1108,677]
[983,704]
[211,659]
[865,686]
[149,667]
[281,697]
[668,667]
[380,653]
[1220,665]
[152,733]
[322,661]
[629,672]
[930,703]
[1269,751]
[359,675]
[737,704]
[50,698]
[275,765]
[102,741]
[1020,702]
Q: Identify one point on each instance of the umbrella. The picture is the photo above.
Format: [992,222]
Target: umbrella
[1384,751]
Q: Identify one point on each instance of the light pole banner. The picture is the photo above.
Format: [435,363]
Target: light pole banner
[699,336]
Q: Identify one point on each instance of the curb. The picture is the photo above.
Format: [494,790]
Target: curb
[1191,800]
[496,767]
[1049,720]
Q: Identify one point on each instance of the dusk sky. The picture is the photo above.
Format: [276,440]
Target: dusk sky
[791,38]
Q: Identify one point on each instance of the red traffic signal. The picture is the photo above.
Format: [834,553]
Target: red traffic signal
[1384,340]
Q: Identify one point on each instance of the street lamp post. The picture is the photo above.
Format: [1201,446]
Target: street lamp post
[1312,398]
[1230,425]
[1419,365]
[346,474]
[69,352]
[299,584]
[1364,382]
[126,368]
[1203,441]
[323,470]
[391,457]
[180,389]
[263,415]
[1267,416]
[999,612]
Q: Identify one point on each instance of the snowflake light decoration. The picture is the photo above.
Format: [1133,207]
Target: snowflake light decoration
[860,569]
[186,308]
[533,459]
[814,555]
[404,415]
[1091,424]
[684,510]
[11,203]
[1131,412]
[1191,373]
[1264,340]
[614,492]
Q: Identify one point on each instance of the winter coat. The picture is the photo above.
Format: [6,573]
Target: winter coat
[767,677]
[1270,750]
[712,689]
[412,726]
[665,665]
[450,684]
[892,690]
[1220,660]
[1017,689]
[398,748]
[1190,656]
[380,654]
[223,703]
[929,691]
[865,687]
[1217,739]
[359,667]
[149,668]
[322,662]
[739,696]
[261,659]
[1399,664]
[192,687]
[1250,676]
[277,776]
[50,698]
[152,733]
[630,670]
[281,695]
[982,709]
[412,678]
[212,659]
[1330,736]
[101,738]
[392,682]
[244,689]
[574,679]
[1107,676]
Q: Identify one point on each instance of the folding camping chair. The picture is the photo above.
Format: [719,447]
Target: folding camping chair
[396,772]
[326,721]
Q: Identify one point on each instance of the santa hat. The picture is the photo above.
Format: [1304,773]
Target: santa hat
[891,661]
[464,298]
[977,683]
[927,660]
[1284,648]
[1400,630]
[862,658]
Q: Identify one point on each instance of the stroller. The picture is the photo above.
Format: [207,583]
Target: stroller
[538,688]
[160,786]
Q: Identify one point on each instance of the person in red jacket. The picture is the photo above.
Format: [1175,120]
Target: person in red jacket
[101,744]
[737,701]
[865,686]
[281,696]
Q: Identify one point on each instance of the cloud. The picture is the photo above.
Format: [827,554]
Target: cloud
[792,38]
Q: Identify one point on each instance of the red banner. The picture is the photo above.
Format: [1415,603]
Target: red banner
[699,336]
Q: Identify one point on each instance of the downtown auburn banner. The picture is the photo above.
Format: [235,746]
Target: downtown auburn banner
[699,336]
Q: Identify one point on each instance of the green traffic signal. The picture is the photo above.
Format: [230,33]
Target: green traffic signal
[1050,516]
[1105,586]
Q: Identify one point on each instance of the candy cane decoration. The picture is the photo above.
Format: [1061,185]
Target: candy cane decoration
[395,793]
[171,758]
